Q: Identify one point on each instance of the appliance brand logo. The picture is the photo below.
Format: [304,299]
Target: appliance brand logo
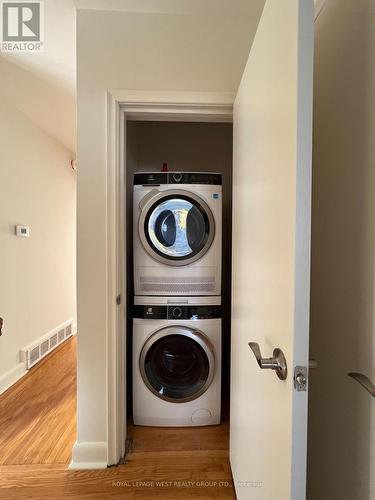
[22,26]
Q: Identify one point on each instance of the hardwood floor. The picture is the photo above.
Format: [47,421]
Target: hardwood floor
[35,448]
[38,413]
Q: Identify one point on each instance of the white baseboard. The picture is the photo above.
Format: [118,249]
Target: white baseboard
[12,376]
[89,455]
[41,347]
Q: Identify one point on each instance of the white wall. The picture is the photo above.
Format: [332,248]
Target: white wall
[133,51]
[38,82]
[342,413]
[37,274]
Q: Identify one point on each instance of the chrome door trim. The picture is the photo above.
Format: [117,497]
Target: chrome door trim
[184,331]
[159,195]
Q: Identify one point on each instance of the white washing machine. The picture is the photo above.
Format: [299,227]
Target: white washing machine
[176,361]
[177,233]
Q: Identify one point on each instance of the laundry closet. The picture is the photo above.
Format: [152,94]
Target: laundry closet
[178,247]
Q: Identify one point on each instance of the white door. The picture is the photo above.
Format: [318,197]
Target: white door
[271,251]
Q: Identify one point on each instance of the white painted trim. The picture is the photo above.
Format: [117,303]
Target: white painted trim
[318,6]
[17,372]
[172,112]
[87,465]
[176,106]
[26,350]
[116,414]
[12,376]
[89,456]
[121,280]
[169,97]
[122,105]
[48,334]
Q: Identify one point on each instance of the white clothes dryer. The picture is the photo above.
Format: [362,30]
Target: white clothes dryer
[177,233]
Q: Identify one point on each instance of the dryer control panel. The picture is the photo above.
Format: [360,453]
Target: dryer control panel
[159,178]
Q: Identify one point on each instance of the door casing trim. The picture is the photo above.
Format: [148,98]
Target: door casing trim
[124,105]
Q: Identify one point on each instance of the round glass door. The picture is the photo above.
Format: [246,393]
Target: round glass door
[177,228]
[177,364]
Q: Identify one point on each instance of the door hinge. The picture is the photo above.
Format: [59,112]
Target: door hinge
[118,299]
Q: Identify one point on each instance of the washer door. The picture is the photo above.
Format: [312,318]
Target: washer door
[176,227]
[177,364]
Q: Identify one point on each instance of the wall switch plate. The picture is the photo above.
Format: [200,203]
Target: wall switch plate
[23,231]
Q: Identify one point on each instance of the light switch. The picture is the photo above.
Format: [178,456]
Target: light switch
[23,231]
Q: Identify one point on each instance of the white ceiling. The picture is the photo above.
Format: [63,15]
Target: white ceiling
[43,85]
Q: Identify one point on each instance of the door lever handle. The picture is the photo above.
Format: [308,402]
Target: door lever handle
[364,381]
[277,362]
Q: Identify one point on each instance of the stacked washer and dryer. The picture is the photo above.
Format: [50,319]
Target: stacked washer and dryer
[177,303]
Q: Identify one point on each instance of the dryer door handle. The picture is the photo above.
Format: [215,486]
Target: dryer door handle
[147,198]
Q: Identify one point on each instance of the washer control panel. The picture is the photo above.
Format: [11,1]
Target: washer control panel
[176,312]
[194,178]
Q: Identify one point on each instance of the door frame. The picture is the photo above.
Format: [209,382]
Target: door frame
[124,105]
